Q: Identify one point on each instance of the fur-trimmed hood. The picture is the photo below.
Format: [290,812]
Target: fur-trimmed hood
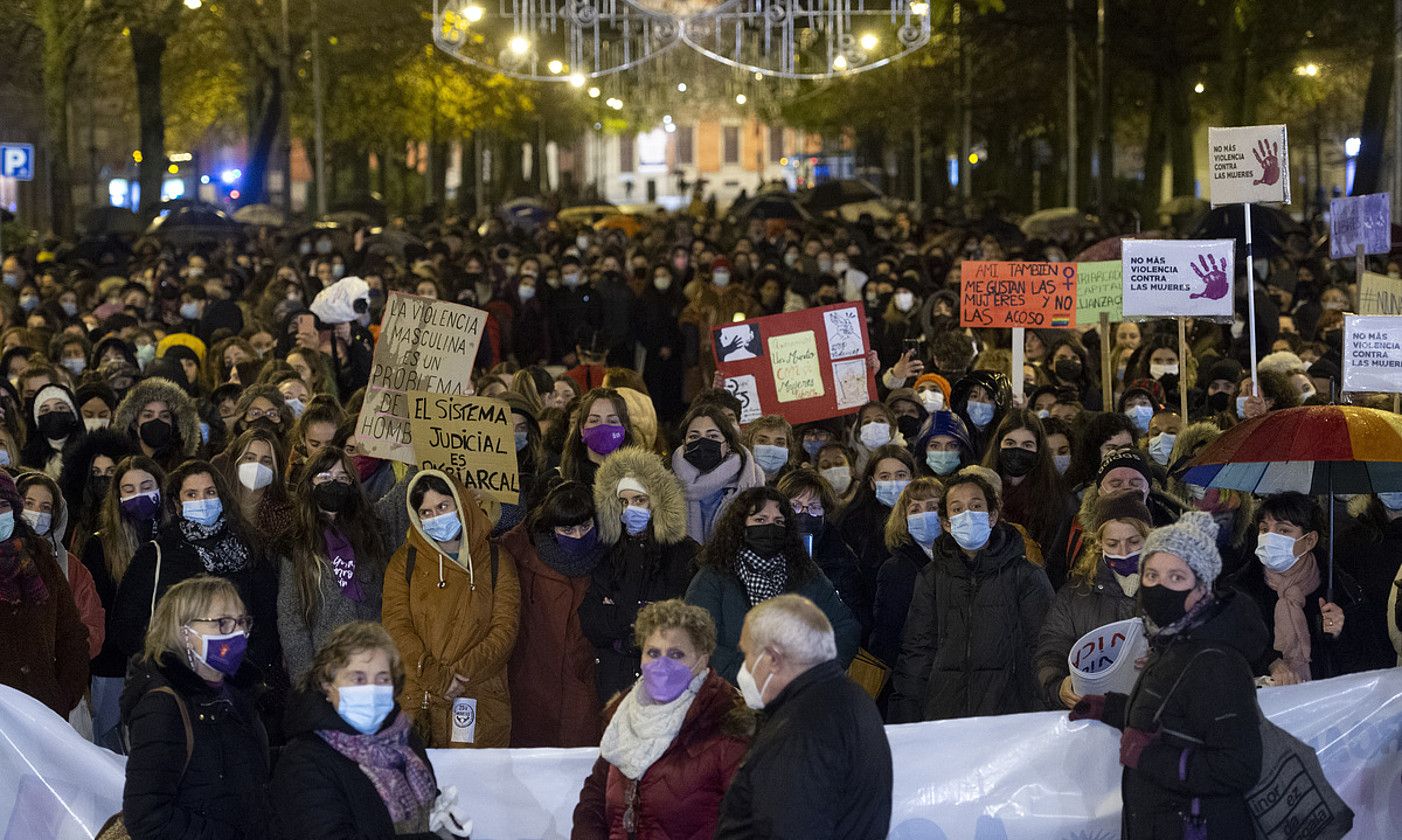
[182,408]
[664,491]
[79,455]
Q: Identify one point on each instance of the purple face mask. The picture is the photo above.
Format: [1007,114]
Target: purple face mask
[224,653]
[665,679]
[1124,566]
[604,439]
[142,507]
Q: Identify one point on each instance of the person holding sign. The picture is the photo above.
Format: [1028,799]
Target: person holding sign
[1100,590]
[647,557]
[451,604]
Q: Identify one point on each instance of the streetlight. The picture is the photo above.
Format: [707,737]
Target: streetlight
[576,80]
[681,87]
[519,45]
[193,4]
[741,99]
[839,64]
[868,41]
[555,66]
[593,93]
[473,13]
[1312,71]
[919,9]
[1199,87]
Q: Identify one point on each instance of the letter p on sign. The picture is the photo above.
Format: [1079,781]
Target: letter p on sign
[17,161]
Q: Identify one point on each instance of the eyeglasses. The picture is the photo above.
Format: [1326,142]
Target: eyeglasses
[259,414]
[326,478]
[814,509]
[228,623]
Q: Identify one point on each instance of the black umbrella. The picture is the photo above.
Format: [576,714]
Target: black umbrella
[394,243]
[771,206]
[194,224]
[1269,227]
[115,221]
[831,195]
[368,203]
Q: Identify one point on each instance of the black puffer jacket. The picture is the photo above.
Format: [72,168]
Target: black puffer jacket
[320,794]
[895,584]
[1215,705]
[1075,611]
[840,565]
[222,793]
[971,633]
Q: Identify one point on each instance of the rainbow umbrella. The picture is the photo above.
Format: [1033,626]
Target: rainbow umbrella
[1318,450]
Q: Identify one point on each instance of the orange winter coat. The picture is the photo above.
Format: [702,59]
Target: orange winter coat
[449,617]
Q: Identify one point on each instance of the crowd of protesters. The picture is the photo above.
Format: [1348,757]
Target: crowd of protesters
[202,566]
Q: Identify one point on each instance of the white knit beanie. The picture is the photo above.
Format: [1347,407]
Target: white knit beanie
[1194,538]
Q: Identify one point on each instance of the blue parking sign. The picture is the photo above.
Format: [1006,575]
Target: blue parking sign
[17,161]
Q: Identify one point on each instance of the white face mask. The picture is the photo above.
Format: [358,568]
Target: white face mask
[875,434]
[753,694]
[904,301]
[1161,447]
[92,424]
[839,477]
[1277,552]
[932,400]
[255,476]
[1159,371]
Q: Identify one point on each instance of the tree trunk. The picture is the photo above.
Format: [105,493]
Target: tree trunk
[263,134]
[1155,156]
[60,169]
[147,51]
[360,172]
[1367,178]
[1245,73]
[438,189]
[1180,134]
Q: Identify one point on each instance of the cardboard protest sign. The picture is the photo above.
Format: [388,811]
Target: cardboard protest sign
[471,438]
[1373,353]
[425,345]
[1379,294]
[1017,294]
[1361,220]
[1099,288]
[1167,278]
[1249,164]
[808,365]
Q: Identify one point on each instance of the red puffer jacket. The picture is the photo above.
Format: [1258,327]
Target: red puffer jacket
[679,796]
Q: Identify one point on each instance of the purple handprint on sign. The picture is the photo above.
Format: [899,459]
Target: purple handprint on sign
[1213,274]
[1268,155]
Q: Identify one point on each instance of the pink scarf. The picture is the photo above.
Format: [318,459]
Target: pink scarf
[1292,632]
[404,782]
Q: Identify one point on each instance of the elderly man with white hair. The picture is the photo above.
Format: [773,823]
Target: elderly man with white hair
[820,764]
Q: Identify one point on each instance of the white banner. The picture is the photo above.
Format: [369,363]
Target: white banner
[1373,353]
[1005,778]
[1164,278]
[1249,163]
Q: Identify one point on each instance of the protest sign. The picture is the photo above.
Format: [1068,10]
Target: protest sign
[424,345]
[1361,220]
[1379,294]
[471,438]
[1099,288]
[807,365]
[1017,294]
[1249,163]
[1373,353]
[1166,278]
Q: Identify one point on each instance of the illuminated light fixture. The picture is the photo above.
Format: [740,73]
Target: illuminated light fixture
[681,87]
[230,176]
[759,77]
[180,157]
[555,66]
[839,64]
[473,13]
[868,41]
[235,194]
[204,179]
[576,80]
[519,45]
[1352,146]
[614,102]
[1310,70]
[670,128]
[920,9]
[973,158]
[783,161]
[1199,87]
[173,169]
[593,93]
[136,155]
[741,99]
[666,119]
[193,4]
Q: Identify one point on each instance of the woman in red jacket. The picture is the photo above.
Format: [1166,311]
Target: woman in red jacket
[673,742]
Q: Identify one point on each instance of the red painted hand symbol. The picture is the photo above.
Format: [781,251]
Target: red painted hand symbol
[1213,274]
[1268,155]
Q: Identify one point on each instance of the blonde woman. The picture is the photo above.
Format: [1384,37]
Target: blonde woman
[198,763]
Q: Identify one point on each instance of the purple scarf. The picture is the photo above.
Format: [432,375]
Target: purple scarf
[403,781]
[342,555]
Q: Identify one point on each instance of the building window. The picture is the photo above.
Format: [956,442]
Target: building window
[776,143]
[684,140]
[625,152]
[730,145]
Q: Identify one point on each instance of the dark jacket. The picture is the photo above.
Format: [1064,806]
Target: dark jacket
[839,563]
[44,644]
[1075,611]
[554,700]
[821,719]
[971,633]
[862,526]
[678,796]
[320,794]
[895,584]
[222,793]
[659,330]
[1372,557]
[724,596]
[1215,706]
[635,572]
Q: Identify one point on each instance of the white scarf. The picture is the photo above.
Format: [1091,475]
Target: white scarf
[641,730]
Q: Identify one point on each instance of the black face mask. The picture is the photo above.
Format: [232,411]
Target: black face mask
[1219,401]
[157,434]
[765,540]
[266,425]
[57,425]
[1068,370]
[1016,462]
[333,496]
[909,426]
[703,454]
[807,523]
[97,486]
[1162,605]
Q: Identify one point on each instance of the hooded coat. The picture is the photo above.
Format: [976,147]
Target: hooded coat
[453,617]
[182,409]
[1214,704]
[80,580]
[634,571]
[971,633]
[679,796]
[73,479]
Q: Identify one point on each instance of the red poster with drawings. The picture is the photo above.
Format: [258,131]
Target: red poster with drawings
[808,365]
